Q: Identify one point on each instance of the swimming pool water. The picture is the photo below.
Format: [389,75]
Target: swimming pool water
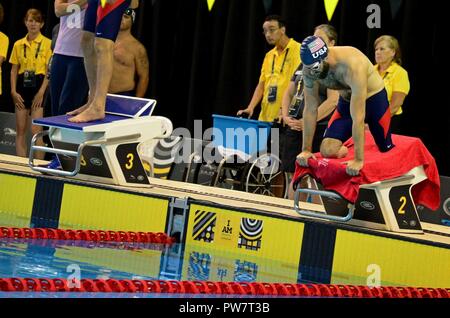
[51,259]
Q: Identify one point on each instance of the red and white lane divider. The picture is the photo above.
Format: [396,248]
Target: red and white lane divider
[85,235]
[216,288]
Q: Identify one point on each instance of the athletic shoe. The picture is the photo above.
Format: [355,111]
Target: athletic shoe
[54,164]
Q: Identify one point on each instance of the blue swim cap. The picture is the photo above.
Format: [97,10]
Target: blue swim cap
[313,50]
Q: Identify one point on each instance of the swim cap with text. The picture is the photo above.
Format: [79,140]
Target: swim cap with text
[313,50]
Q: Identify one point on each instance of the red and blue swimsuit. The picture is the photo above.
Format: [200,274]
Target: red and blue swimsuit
[378,117]
[105,22]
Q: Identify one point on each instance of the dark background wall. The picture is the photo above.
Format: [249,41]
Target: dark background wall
[209,62]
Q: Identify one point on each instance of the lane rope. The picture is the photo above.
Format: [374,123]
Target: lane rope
[85,235]
[182,287]
[216,288]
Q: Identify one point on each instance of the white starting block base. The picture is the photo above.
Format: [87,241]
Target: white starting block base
[384,205]
[389,205]
[105,151]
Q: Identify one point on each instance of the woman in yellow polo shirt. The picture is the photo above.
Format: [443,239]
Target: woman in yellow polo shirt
[395,77]
[4,44]
[29,59]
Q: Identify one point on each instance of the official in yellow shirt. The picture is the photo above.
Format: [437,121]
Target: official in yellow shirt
[4,44]
[29,59]
[395,77]
[279,65]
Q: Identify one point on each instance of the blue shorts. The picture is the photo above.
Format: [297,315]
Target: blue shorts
[105,22]
[69,86]
[378,117]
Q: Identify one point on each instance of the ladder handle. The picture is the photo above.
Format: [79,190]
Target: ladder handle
[319,215]
[70,153]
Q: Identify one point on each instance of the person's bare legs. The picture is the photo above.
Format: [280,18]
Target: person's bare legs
[35,129]
[105,62]
[22,122]
[90,65]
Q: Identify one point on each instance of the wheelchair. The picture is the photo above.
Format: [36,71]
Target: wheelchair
[240,158]
[236,157]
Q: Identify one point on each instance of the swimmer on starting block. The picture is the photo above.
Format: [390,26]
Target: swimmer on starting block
[363,98]
[101,26]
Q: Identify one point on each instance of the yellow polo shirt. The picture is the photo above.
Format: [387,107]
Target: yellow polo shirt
[24,54]
[4,44]
[395,80]
[284,66]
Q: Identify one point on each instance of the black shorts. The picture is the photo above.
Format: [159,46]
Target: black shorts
[291,145]
[28,93]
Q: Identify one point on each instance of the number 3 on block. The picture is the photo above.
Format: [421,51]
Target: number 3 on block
[130,158]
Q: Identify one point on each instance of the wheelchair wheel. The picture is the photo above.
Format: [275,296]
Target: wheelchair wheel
[225,174]
[230,176]
[264,176]
[204,174]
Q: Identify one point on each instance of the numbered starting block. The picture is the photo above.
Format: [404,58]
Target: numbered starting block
[384,195]
[105,150]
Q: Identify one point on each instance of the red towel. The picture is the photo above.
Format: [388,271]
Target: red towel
[408,153]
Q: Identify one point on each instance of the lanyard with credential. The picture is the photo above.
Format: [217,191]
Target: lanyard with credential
[299,87]
[37,51]
[282,66]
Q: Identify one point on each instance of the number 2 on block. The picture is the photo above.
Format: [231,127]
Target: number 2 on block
[401,210]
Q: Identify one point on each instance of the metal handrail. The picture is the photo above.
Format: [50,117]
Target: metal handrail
[70,153]
[319,215]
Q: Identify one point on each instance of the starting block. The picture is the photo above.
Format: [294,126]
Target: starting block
[105,150]
[384,205]
[384,194]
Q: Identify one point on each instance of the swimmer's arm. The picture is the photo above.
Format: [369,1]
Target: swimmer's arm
[311,92]
[358,83]
[62,7]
